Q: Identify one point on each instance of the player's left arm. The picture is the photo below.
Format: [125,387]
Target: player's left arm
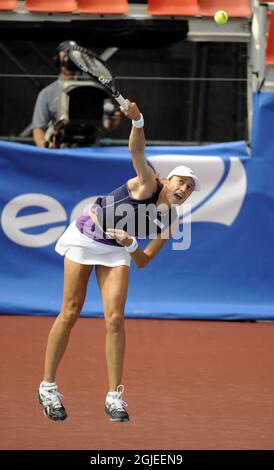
[155,246]
[140,257]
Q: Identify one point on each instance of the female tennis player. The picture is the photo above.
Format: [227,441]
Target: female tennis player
[105,238]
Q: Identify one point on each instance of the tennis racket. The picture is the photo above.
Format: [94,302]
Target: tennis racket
[88,62]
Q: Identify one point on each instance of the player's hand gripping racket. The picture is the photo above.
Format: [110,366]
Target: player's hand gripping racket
[89,63]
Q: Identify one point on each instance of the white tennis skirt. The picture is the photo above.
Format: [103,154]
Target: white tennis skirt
[83,250]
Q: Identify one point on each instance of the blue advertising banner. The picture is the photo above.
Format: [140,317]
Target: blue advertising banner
[225,272]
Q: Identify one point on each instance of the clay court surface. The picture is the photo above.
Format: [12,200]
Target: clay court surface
[188,385]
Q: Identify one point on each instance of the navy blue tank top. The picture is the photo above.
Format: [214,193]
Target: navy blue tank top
[138,217]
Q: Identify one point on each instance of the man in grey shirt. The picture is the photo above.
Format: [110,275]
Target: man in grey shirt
[47,103]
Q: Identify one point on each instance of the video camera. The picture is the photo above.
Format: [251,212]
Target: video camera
[82,105]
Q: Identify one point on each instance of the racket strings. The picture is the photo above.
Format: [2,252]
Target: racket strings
[88,62]
[101,71]
[92,65]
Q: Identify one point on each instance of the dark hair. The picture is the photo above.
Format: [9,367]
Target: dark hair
[66,62]
[65,45]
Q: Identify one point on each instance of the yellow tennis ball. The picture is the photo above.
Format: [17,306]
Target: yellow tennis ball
[221,17]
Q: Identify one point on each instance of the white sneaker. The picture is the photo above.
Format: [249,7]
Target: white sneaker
[50,399]
[115,407]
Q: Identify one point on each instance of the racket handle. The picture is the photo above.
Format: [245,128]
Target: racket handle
[122,102]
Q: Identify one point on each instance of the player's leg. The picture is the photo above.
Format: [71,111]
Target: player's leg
[76,278]
[113,283]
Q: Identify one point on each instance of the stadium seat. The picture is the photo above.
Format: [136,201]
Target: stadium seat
[173,7]
[97,7]
[235,8]
[8,4]
[51,6]
[270,41]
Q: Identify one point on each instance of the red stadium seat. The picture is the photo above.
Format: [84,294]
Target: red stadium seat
[8,4]
[235,8]
[270,41]
[97,7]
[51,6]
[173,7]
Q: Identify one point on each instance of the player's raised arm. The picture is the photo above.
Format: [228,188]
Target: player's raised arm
[137,145]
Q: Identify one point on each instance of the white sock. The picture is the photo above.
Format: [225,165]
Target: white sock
[47,384]
[111,395]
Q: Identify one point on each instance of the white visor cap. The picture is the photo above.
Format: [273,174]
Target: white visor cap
[185,171]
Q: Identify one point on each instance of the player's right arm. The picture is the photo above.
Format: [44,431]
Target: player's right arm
[146,177]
